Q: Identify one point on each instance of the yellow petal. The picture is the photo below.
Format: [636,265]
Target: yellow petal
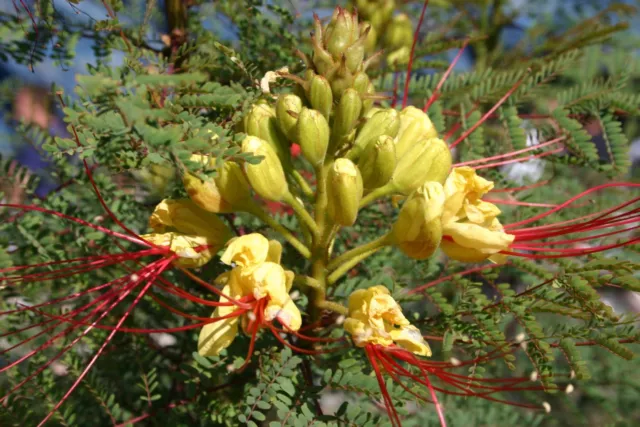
[275,251]
[462,254]
[216,336]
[287,314]
[246,251]
[269,279]
[411,339]
[193,251]
[475,236]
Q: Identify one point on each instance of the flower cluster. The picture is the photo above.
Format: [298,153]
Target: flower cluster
[360,154]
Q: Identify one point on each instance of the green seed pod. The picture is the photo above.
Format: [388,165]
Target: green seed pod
[347,115]
[399,32]
[320,95]
[377,163]
[288,108]
[414,125]
[425,160]
[383,122]
[418,230]
[313,135]
[266,177]
[344,192]
[261,122]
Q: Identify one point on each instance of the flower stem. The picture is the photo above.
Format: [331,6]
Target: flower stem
[333,306]
[288,235]
[385,190]
[302,213]
[304,185]
[307,281]
[376,244]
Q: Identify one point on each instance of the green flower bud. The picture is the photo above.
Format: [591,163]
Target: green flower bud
[372,39]
[344,191]
[320,95]
[347,114]
[399,32]
[418,230]
[313,135]
[377,163]
[341,32]
[383,122]
[425,160]
[399,56]
[414,125]
[262,123]
[266,177]
[341,79]
[229,191]
[288,108]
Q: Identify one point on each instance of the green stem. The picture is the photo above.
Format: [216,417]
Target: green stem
[302,213]
[344,268]
[288,235]
[304,185]
[376,244]
[307,281]
[385,190]
[334,306]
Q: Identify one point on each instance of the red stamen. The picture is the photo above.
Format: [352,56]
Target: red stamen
[488,113]
[511,154]
[388,403]
[405,97]
[521,159]
[436,93]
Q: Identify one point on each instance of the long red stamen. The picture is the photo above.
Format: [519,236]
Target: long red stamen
[436,93]
[487,114]
[405,97]
[451,276]
[104,345]
[512,153]
[391,410]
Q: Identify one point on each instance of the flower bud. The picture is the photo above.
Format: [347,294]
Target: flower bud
[287,109]
[341,33]
[341,79]
[414,125]
[313,135]
[262,123]
[320,95]
[399,32]
[399,56]
[266,177]
[233,185]
[372,39]
[384,122]
[227,192]
[418,230]
[377,163]
[425,160]
[347,114]
[344,191]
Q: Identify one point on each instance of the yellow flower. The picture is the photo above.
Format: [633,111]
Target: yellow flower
[190,232]
[192,251]
[474,231]
[376,318]
[257,276]
[184,216]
